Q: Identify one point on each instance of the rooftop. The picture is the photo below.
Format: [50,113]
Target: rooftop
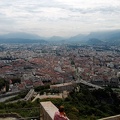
[63,84]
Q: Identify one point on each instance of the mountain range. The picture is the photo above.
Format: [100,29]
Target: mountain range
[103,37]
[21,37]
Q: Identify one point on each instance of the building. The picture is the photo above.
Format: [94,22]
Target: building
[63,87]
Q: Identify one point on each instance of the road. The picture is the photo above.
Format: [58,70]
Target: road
[6,98]
[89,84]
[29,95]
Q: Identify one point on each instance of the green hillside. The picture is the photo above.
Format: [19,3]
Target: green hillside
[83,105]
[90,105]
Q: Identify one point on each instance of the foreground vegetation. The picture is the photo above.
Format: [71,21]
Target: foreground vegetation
[90,105]
[95,104]
[81,105]
[23,108]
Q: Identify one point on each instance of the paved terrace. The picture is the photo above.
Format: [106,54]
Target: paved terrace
[60,95]
[47,96]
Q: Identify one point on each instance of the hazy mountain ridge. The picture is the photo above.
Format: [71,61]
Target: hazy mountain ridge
[107,37]
[21,40]
[21,37]
[78,38]
[55,38]
[94,41]
[103,37]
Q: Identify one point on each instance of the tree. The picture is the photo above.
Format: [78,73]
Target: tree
[72,62]
[16,80]
[2,83]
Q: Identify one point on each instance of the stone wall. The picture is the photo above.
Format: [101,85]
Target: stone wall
[116,117]
[47,110]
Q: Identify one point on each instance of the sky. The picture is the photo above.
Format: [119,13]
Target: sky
[59,17]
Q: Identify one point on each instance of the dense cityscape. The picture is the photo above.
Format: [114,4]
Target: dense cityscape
[29,66]
[36,64]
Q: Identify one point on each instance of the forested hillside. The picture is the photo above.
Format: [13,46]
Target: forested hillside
[81,105]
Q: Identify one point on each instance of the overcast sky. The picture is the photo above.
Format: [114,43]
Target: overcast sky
[59,17]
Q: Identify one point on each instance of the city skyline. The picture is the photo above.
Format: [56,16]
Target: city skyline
[58,17]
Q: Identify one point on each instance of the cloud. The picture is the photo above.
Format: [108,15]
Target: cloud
[59,17]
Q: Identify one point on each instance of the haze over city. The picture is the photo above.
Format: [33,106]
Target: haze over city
[58,17]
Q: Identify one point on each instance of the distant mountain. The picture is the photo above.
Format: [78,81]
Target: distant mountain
[55,38]
[100,38]
[94,41]
[104,37]
[77,38]
[21,37]
[21,40]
